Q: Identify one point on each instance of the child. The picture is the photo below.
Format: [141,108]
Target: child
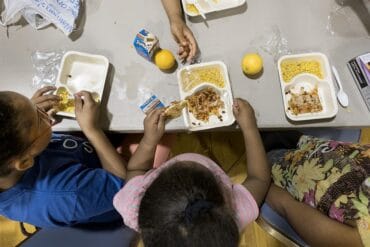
[51,179]
[189,200]
[322,188]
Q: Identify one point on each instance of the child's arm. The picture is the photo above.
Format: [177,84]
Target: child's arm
[154,126]
[182,34]
[326,231]
[173,9]
[87,116]
[258,170]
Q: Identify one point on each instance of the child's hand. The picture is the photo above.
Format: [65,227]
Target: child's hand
[185,39]
[44,100]
[154,125]
[244,114]
[87,112]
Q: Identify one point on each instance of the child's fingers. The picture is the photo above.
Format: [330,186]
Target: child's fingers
[86,97]
[236,107]
[236,102]
[161,121]
[43,90]
[181,50]
[183,55]
[156,115]
[44,98]
[236,111]
[149,114]
[49,98]
[47,105]
[192,44]
[78,103]
[152,117]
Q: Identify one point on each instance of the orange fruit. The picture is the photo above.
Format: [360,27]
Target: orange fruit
[164,59]
[252,64]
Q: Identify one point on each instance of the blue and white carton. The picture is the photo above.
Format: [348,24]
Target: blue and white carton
[146,44]
[151,104]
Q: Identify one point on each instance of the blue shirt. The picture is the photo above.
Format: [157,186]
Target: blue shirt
[66,186]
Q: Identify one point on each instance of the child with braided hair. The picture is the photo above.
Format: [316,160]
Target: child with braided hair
[189,200]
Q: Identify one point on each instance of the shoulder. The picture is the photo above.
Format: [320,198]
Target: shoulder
[127,200]
[245,206]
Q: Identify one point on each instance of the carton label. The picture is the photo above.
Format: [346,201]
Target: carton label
[150,104]
[146,44]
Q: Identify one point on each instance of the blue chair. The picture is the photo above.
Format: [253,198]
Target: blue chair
[278,227]
[77,237]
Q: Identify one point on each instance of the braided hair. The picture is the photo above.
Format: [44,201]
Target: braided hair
[185,206]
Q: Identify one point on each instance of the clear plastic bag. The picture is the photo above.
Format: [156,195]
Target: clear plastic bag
[62,13]
[46,66]
[273,43]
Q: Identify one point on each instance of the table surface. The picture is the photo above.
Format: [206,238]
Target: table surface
[110,26]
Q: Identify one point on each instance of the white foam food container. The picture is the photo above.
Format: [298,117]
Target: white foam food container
[212,5]
[225,93]
[307,81]
[82,71]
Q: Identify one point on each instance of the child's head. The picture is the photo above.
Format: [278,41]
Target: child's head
[185,206]
[24,132]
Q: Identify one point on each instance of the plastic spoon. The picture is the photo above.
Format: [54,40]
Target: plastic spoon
[341,95]
[199,7]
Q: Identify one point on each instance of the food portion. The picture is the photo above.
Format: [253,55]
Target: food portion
[175,108]
[205,103]
[206,88]
[304,102]
[194,77]
[192,9]
[67,103]
[290,69]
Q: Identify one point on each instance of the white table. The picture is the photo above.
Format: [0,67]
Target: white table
[111,26]
[303,24]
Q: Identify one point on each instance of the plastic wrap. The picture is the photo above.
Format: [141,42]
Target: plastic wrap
[273,43]
[46,66]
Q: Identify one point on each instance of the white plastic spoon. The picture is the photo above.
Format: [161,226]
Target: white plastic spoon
[199,7]
[341,95]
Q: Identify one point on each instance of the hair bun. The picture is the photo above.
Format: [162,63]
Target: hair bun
[196,208]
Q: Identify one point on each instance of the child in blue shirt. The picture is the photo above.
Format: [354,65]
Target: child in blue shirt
[51,179]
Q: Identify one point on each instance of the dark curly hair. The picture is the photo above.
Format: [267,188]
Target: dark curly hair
[11,138]
[185,206]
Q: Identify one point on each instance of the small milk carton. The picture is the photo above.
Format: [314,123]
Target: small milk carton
[146,44]
[150,104]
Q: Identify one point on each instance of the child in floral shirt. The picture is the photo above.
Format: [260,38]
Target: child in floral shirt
[331,177]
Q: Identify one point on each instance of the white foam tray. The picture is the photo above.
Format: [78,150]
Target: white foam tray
[82,71]
[326,89]
[214,5]
[225,93]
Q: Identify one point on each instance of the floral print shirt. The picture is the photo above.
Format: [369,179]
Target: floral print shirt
[331,176]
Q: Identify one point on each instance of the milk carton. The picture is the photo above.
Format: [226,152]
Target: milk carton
[151,104]
[146,44]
